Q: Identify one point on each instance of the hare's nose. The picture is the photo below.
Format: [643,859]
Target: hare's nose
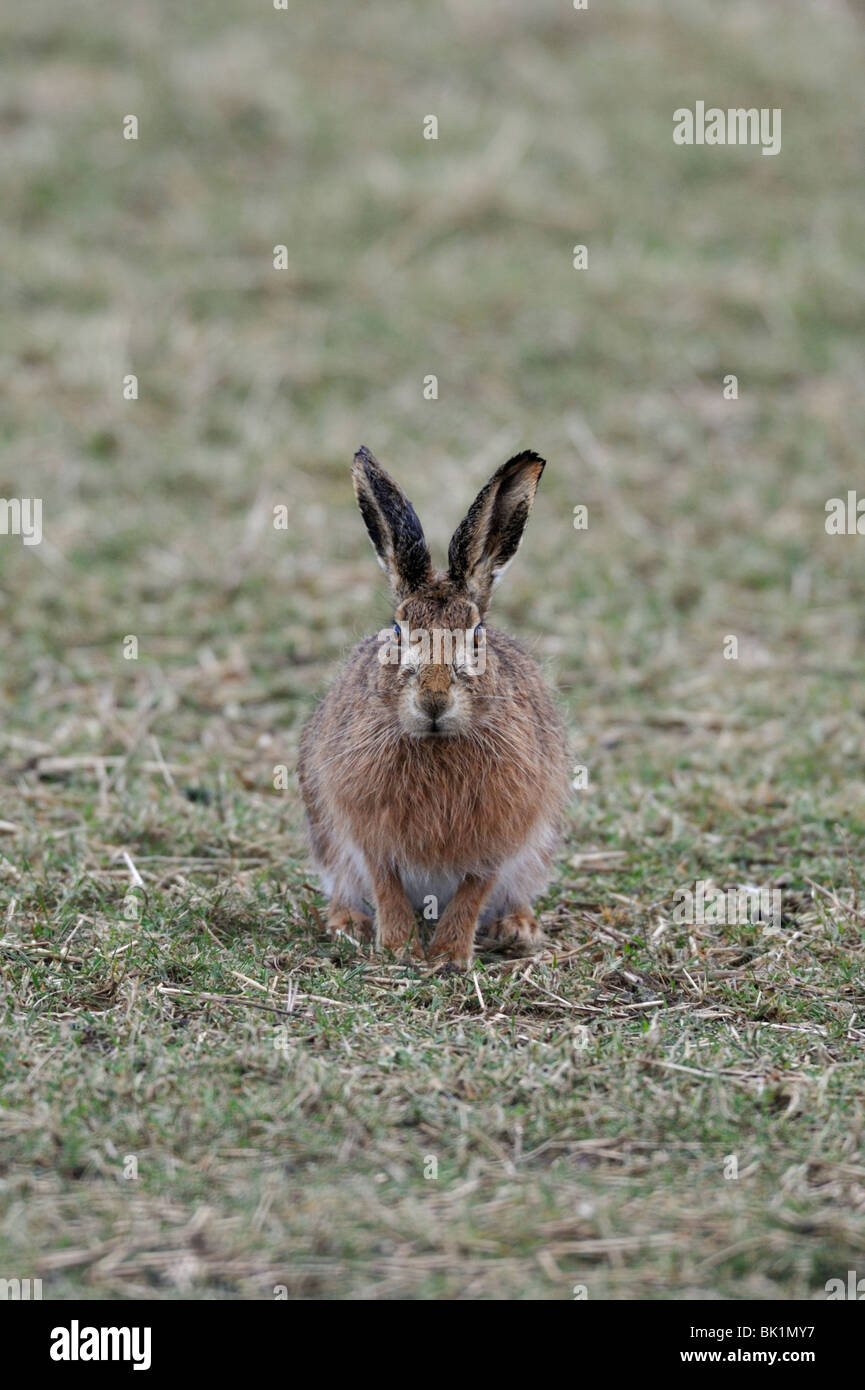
[434,702]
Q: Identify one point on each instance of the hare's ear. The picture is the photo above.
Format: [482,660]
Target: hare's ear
[487,539]
[393,526]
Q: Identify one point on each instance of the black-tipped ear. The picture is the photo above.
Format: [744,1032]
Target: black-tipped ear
[488,538]
[393,526]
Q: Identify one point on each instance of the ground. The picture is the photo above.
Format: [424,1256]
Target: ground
[202,1096]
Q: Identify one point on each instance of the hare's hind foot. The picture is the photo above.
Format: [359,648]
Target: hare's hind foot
[519,933]
[347,921]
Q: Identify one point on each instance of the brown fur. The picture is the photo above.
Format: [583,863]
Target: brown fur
[421,771]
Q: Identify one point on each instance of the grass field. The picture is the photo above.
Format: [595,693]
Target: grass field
[281,1098]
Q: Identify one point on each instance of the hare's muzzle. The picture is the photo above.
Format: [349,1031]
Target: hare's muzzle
[434,704]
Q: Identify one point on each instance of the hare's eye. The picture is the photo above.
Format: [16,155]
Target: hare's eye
[398,633]
[479,635]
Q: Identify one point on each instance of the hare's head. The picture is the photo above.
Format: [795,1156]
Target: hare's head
[435,665]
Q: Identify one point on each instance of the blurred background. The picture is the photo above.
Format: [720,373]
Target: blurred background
[406,258]
[453,257]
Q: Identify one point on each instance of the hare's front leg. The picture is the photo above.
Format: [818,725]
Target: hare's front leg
[395,925]
[455,933]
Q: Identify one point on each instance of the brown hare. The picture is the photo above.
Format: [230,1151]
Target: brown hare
[434,772]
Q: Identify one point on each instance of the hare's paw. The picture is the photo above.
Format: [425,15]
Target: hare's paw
[450,952]
[347,921]
[404,950]
[412,950]
[398,934]
[519,933]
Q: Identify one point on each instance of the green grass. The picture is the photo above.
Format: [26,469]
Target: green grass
[283,1097]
